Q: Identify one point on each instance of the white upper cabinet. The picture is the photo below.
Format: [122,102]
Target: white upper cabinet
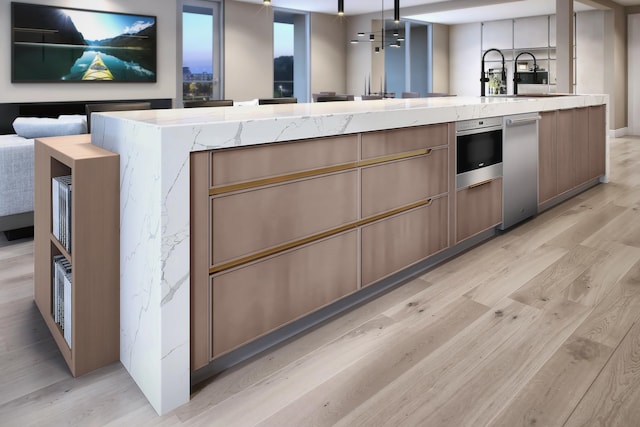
[497,34]
[552,31]
[531,32]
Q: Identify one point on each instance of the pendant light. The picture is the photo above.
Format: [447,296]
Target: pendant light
[396,11]
[267,2]
[383,39]
[340,7]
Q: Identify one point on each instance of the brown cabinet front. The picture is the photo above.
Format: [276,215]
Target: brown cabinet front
[241,165]
[581,145]
[388,142]
[257,298]
[392,185]
[566,151]
[597,141]
[397,242]
[572,149]
[247,222]
[547,157]
[479,207]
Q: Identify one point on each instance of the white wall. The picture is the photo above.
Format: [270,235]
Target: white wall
[248,51]
[165,87]
[440,66]
[634,72]
[590,52]
[328,53]
[358,55]
[464,59]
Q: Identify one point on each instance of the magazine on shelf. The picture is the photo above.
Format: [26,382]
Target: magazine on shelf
[61,209]
[55,208]
[66,317]
[62,295]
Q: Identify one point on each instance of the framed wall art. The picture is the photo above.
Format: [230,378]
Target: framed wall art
[58,44]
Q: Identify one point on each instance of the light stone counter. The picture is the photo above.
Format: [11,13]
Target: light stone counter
[154,147]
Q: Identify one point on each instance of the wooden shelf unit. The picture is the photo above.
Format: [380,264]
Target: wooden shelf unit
[95,259]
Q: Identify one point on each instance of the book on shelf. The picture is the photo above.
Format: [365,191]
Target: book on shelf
[61,209]
[62,295]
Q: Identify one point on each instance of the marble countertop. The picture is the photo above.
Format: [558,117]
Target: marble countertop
[222,127]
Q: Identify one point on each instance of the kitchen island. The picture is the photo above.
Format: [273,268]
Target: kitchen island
[160,150]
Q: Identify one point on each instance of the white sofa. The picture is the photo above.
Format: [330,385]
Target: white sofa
[16,182]
[16,165]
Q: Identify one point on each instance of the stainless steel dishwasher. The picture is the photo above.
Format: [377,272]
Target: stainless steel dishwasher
[519,168]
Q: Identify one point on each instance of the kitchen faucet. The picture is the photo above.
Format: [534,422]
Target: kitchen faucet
[516,74]
[483,76]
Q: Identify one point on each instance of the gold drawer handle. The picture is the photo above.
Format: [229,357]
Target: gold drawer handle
[479,184]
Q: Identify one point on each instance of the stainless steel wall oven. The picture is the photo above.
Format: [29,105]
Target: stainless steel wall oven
[478,151]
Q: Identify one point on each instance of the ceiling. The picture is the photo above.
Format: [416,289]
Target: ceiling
[439,11]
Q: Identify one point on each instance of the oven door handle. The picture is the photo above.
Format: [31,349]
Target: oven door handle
[477,130]
[522,121]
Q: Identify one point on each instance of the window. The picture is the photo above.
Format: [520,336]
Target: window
[290,55]
[201,64]
[282,60]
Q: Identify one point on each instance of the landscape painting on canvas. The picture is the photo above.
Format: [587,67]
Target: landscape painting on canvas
[56,44]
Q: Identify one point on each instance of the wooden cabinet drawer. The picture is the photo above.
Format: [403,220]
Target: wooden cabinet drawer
[237,165]
[547,157]
[397,242]
[581,128]
[566,151]
[597,141]
[388,142]
[247,222]
[478,208]
[391,185]
[260,297]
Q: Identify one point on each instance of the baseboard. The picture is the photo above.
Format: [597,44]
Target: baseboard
[618,133]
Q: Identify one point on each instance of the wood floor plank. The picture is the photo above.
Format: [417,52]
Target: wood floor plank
[614,398]
[328,403]
[550,396]
[625,229]
[16,248]
[514,276]
[567,208]
[535,233]
[93,399]
[474,398]
[434,379]
[277,391]
[233,380]
[30,369]
[612,318]
[592,286]
[21,325]
[582,230]
[552,281]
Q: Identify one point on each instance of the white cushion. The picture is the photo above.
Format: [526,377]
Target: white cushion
[244,103]
[36,127]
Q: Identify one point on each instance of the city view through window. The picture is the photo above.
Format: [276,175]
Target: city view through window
[282,60]
[197,56]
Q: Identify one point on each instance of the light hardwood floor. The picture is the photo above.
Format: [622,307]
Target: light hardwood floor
[537,327]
